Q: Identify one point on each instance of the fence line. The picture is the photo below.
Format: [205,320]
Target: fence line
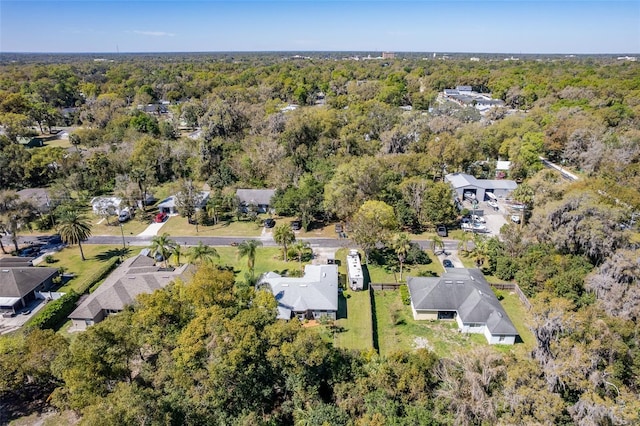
[515,288]
[385,286]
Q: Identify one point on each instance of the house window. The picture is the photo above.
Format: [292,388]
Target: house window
[501,339]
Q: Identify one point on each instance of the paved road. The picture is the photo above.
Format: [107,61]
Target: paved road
[221,241]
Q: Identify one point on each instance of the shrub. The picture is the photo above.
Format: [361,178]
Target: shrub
[404,294]
[54,312]
[49,259]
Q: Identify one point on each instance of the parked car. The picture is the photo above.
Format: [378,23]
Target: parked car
[296,225]
[339,228]
[269,223]
[477,218]
[515,218]
[441,230]
[160,217]
[124,215]
[447,263]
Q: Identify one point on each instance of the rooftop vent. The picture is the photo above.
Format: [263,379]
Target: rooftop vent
[500,314]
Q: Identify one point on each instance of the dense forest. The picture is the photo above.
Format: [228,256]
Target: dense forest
[332,135]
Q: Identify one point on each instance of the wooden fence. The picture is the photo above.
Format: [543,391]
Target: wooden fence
[385,286]
[516,289]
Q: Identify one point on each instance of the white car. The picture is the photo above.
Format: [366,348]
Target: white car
[515,218]
[477,218]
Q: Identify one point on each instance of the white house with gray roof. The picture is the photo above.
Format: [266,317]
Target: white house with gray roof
[260,198]
[462,295]
[134,276]
[462,182]
[312,296]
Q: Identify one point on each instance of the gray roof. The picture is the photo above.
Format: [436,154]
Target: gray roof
[463,180]
[135,276]
[20,281]
[317,290]
[465,291]
[16,261]
[170,202]
[38,196]
[255,196]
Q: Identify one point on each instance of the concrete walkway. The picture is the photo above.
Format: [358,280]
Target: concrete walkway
[152,230]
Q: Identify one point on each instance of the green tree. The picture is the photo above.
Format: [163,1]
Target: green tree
[524,194]
[177,253]
[300,248]
[401,245]
[162,245]
[74,228]
[283,235]
[372,224]
[437,243]
[202,253]
[248,249]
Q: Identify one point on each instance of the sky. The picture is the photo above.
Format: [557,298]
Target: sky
[505,26]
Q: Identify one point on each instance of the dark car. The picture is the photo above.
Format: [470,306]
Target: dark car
[160,217]
[441,230]
[447,263]
[338,228]
[269,223]
[296,225]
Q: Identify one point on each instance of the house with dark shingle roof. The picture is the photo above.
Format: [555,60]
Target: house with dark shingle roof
[135,276]
[19,284]
[462,295]
[261,198]
[312,296]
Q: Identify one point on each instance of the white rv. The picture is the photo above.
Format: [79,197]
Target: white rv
[354,271]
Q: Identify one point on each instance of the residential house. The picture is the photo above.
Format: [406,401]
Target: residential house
[136,275]
[463,183]
[465,96]
[30,142]
[313,296]
[19,283]
[168,205]
[259,198]
[100,205]
[462,295]
[39,197]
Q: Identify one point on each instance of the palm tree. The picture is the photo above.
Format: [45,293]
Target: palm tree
[524,194]
[402,245]
[437,243]
[74,227]
[202,253]
[300,247]
[465,242]
[283,235]
[163,245]
[177,252]
[248,248]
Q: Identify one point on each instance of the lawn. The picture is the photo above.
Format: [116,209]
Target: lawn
[354,324]
[129,228]
[267,259]
[397,330]
[178,225]
[97,257]
[519,317]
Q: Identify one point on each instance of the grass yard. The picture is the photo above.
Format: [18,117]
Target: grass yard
[267,259]
[178,225]
[58,143]
[519,317]
[129,228]
[97,257]
[355,330]
[397,330]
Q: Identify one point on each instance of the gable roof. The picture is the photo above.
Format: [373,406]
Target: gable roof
[170,202]
[38,196]
[463,180]
[21,280]
[465,291]
[135,276]
[316,290]
[255,196]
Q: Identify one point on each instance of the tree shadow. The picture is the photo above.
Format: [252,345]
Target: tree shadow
[366,277]
[342,307]
[110,254]
[374,322]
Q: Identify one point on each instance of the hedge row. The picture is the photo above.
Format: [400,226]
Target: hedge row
[54,312]
[404,294]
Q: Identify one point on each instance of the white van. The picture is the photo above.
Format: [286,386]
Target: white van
[124,215]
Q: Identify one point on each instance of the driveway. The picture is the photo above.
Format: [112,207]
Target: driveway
[152,230]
